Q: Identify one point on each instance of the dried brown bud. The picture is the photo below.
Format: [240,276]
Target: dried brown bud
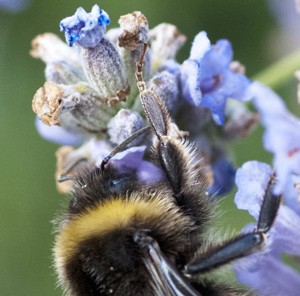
[46,103]
[135,30]
[240,120]
[76,107]
[237,67]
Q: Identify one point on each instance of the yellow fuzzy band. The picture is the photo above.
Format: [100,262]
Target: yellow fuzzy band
[97,221]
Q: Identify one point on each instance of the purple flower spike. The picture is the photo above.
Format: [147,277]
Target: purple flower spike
[265,271]
[207,79]
[282,133]
[87,29]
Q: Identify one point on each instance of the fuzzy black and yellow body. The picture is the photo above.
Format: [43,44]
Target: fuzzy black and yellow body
[123,237]
[95,249]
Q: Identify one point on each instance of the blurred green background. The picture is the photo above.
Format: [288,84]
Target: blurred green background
[28,199]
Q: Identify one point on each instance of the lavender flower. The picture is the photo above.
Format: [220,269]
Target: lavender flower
[265,271]
[87,29]
[207,79]
[85,83]
[102,64]
[282,133]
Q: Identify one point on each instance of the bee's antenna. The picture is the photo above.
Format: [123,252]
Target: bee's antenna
[123,145]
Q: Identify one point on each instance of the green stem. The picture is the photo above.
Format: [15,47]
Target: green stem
[281,71]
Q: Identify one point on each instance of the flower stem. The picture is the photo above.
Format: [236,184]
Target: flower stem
[278,73]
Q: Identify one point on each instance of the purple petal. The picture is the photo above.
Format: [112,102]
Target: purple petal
[217,59]
[206,77]
[286,237]
[149,173]
[235,85]
[282,135]
[58,134]
[132,158]
[87,29]
[190,82]
[283,139]
[216,102]
[129,158]
[266,101]
[201,45]
[252,180]
[291,194]
[271,277]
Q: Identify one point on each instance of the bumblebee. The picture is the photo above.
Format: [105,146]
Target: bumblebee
[122,237]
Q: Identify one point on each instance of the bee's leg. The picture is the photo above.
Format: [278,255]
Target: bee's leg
[240,246]
[179,159]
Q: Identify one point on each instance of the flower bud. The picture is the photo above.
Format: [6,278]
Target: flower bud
[49,48]
[165,84]
[123,125]
[166,40]
[101,62]
[62,72]
[105,71]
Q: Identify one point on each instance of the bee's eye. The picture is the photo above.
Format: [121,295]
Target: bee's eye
[117,184]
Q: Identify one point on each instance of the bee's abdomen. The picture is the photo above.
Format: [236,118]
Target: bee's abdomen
[95,253]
